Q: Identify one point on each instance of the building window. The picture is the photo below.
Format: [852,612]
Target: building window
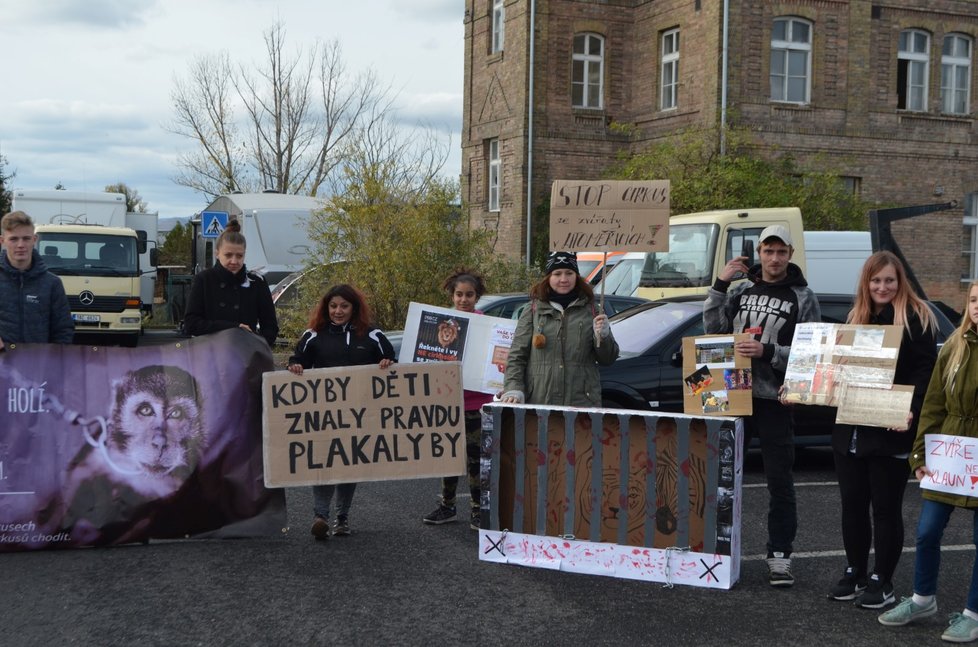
[969,248]
[791,60]
[912,61]
[498,25]
[955,74]
[494,175]
[852,184]
[587,79]
[669,77]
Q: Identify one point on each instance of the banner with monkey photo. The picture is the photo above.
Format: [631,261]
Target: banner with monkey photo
[106,446]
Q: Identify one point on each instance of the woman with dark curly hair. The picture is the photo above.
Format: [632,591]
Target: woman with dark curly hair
[339,334]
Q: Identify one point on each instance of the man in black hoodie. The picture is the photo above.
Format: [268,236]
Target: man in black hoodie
[33,305]
[767,306]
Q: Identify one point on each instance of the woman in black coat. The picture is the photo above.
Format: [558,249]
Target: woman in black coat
[228,295]
[871,462]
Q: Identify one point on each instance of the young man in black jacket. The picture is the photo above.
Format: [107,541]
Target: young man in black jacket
[767,306]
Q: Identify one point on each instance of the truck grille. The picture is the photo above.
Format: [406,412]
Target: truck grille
[101,304]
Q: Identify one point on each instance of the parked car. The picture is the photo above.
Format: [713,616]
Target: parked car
[510,305]
[648,373]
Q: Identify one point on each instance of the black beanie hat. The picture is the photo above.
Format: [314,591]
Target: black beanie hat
[562,260]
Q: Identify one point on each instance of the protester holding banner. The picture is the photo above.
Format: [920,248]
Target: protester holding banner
[950,407]
[871,462]
[560,339]
[465,287]
[774,298]
[339,334]
[228,295]
[34,306]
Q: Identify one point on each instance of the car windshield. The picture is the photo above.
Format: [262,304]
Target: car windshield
[586,267]
[640,328]
[689,261]
[624,279]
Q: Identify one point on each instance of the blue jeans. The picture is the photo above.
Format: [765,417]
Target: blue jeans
[771,423]
[322,495]
[930,529]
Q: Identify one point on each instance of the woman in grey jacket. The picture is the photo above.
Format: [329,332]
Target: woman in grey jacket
[560,339]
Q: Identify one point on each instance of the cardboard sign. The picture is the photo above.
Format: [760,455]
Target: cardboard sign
[953,462]
[717,381]
[480,342]
[888,408]
[613,492]
[361,423]
[609,215]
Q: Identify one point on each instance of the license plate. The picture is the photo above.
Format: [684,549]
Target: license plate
[86,318]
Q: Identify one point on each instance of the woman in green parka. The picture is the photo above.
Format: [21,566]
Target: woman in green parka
[950,407]
[560,339]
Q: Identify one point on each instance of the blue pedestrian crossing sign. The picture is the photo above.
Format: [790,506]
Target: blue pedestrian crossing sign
[212,223]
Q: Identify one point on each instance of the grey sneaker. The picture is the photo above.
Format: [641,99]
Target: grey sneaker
[320,528]
[443,514]
[779,570]
[342,527]
[961,630]
[906,612]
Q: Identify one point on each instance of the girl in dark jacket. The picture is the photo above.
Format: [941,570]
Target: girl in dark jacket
[228,295]
[871,462]
[339,334]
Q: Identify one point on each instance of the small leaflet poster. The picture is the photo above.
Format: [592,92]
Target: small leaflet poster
[441,337]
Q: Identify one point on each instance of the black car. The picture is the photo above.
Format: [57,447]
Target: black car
[509,306]
[648,375]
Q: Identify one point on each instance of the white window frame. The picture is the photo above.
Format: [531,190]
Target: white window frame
[956,100]
[498,26]
[495,174]
[970,248]
[669,71]
[786,49]
[916,61]
[588,64]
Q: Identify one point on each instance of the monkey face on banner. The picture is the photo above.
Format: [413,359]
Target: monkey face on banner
[157,454]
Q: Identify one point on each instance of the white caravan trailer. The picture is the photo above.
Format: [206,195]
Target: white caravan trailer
[275,226]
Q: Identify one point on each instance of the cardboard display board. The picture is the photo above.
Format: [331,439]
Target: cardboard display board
[850,367]
[717,381]
[613,492]
[609,215]
[361,423]
[480,342]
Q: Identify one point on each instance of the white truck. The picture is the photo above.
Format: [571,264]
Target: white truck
[54,207]
[275,226]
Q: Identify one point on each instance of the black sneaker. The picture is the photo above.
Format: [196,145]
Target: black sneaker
[475,520]
[320,528]
[342,527]
[849,587]
[877,594]
[779,570]
[443,514]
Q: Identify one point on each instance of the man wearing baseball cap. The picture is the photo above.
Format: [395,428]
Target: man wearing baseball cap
[767,306]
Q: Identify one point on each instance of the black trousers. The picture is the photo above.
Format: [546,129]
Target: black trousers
[771,423]
[877,483]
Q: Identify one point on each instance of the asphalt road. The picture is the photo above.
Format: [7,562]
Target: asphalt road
[396,581]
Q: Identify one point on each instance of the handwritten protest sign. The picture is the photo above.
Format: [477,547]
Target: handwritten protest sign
[361,423]
[609,215]
[953,462]
[480,342]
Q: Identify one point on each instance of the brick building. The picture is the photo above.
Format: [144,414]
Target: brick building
[881,89]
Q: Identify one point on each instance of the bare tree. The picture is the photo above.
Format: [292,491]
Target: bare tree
[295,113]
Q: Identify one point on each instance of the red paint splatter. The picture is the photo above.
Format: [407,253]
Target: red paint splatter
[685,467]
[636,551]
[566,544]
[541,458]
[571,457]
